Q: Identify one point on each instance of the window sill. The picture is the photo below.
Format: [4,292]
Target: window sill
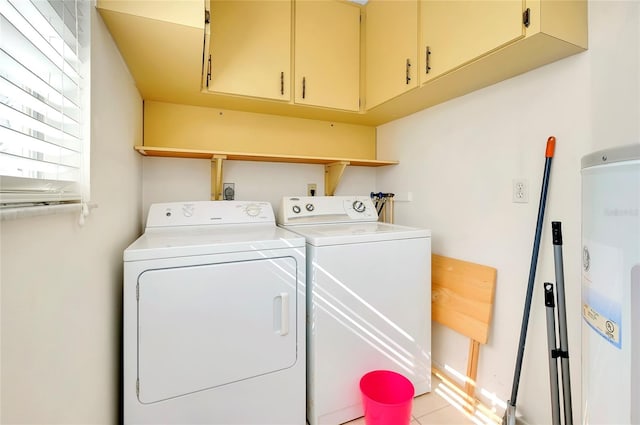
[14,213]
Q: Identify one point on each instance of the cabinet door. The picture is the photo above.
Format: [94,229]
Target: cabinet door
[251,48]
[327,54]
[454,33]
[391,29]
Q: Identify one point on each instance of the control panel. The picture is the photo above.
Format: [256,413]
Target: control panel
[201,213]
[326,209]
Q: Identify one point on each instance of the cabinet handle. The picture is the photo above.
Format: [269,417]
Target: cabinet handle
[408,75]
[282,83]
[526,17]
[304,87]
[428,56]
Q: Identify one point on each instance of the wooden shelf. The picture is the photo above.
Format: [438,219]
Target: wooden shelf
[334,167]
[262,157]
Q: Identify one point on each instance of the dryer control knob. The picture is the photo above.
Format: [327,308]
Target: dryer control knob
[253,210]
[187,210]
[296,209]
[309,207]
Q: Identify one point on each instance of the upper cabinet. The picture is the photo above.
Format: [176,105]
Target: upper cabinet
[161,42]
[327,54]
[250,48]
[248,51]
[454,33]
[391,43]
[303,58]
[471,48]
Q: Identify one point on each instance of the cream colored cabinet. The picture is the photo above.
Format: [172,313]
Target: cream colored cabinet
[161,44]
[250,48]
[391,44]
[473,44]
[454,33]
[327,54]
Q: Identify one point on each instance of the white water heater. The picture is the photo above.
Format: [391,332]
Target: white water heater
[611,286]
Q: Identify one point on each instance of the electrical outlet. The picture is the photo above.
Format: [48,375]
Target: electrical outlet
[520,191]
[228,191]
[312,189]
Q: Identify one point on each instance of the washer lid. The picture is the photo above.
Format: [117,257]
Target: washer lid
[348,233]
[171,242]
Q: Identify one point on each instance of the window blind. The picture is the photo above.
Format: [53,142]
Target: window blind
[43,101]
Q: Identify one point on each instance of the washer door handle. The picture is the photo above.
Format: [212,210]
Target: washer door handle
[284,313]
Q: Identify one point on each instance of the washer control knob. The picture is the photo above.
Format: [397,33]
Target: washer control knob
[296,209]
[309,207]
[359,206]
[253,210]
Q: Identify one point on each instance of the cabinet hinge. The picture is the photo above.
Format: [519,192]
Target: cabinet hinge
[209,70]
[207,16]
[137,387]
[138,292]
[526,17]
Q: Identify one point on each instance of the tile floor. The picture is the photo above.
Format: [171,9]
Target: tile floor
[434,409]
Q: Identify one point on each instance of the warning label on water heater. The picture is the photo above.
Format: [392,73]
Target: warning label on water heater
[602,324]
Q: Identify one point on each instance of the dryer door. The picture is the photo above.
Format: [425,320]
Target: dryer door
[200,327]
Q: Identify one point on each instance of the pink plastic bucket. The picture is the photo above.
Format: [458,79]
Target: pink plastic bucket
[387,398]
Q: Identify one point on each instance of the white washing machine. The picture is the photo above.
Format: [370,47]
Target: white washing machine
[214,309]
[368,300]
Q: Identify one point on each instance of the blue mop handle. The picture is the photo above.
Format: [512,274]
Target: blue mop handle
[551,143]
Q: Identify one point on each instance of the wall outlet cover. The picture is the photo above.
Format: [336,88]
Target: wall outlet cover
[520,191]
[228,191]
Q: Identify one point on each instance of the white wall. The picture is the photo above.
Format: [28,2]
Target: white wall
[459,158]
[62,283]
[171,179]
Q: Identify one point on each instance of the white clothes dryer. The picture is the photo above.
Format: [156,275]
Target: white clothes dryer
[214,310]
[368,300]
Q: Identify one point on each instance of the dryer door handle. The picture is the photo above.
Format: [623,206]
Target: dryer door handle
[284,313]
